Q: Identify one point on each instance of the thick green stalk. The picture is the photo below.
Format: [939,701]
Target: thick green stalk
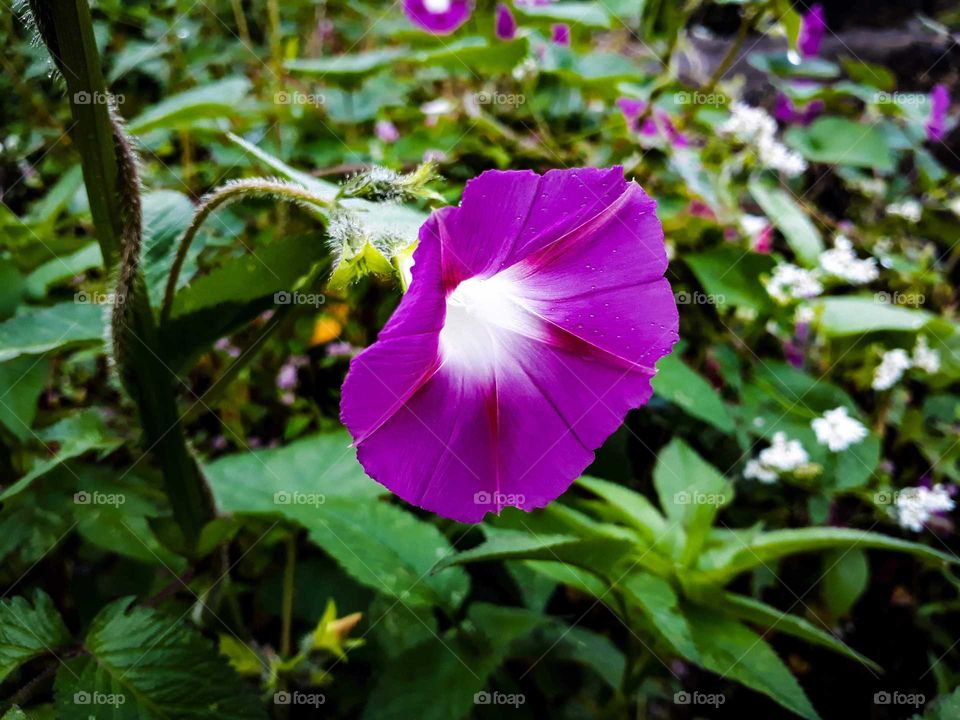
[113,192]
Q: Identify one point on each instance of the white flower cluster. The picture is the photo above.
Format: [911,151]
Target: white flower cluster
[909,210]
[754,126]
[782,456]
[842,262]
[915,506]
[790,282]
[895,363]
[837,430]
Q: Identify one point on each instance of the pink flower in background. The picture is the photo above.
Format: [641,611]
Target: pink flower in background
[505,25]
[813,26]
[660,122]
[786,112]
[386,131]
[939,104]
[560,34]
[440,17]
[536,314]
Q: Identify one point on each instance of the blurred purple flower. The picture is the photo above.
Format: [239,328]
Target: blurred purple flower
[537,312]
[633,109]
[939,104]
[440,17]
[225,345]
[341,349]
[386,131]
[506,25]
[786,112]
[813,26]
[560,34]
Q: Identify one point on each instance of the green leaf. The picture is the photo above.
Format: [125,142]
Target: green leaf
[452,670]
[166,216]
[348,66]
[684,480]
[844,580]
[723,564]
[365,103]
[75,435]
[839,141]
[574,644]
[657,600]
[208,101]
[21,382]
[61,269]
[264,481]
[37,330]
[855,315]
[732,650]
[772,620]
[150,666]
[631,506]
[732,276]
[678,383]
[783,211]
[28,630]
[15,713]
[588,14]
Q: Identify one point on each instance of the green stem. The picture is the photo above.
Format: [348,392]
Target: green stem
[67,29]
[229,193]
[289,573]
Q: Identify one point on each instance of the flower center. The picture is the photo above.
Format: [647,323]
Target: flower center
[436,6]
[481,313]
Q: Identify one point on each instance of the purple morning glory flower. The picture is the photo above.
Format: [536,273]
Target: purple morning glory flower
[785,111]
[440,17]
[560,34]
[632,110]
[536,314]
[812,29]
[506,26]
[939,104]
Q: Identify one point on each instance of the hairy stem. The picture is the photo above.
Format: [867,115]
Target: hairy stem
[110,176]
[232,192]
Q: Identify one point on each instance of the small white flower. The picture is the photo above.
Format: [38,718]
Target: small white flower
[837,430]
[755,470]
[804,315]
[915,506]
[893,365]
[842,262]
[909,209]
[924,357]
[783,455]
[435,108]
[953,205]
[775,155]
[790,282]
[748,124]
[753,224]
